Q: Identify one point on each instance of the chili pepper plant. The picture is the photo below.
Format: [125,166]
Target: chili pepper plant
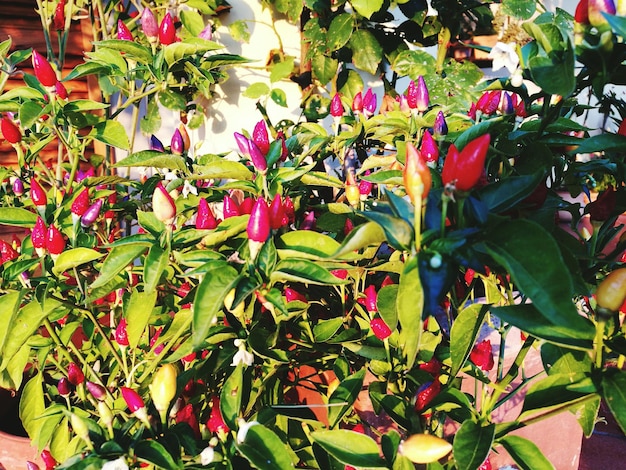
[232,310]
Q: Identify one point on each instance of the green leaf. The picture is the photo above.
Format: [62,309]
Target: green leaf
[256,90]
[191,46]
[614,393]
[527,318]
[399,233]
[413,63]
[326,329]
[131,49]
[111,133]
[350,448]
[306,244]
[192,21]
[172,100]
[281,70]
[367,8]
[228,229]
[155,453]
[504,194]
[266,451]
[156,262]
[32,406]
[525,248]
[560,360]
[472,444]
[603,142]
[522,9]
[9,304]
[410,304]
[463,334]
[618,23]
[73,258]
[366,51]
[152,158]
[209,299]
[17,217]
[324,67]
[223,169]
[279,97]
[117,260]
[230,397]
[340,30]
[386,302]
[305,271]
[362,236]
[239,31]
[558,391]
[343,398]
[587,414]
[137,311]
[151,120]
[29,113]
[525,453]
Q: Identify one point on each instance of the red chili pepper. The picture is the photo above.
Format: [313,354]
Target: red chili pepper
[205,219]
[121,335]
[416,174]
[380,329]
[464,169]
[260,137]
[188,415]
[55,243]
[43,70]
[426,393]
[10,130]
[167,30]
[482,355]
[81,203]
[58,20]
[123,33]
[278,218]
[336,106]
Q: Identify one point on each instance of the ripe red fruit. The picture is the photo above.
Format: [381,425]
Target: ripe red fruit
[426,393]
[482,355]
[10,130]
[55,243]
[380,328]
[81,203]
[75,374]
[43,70]
[167,30]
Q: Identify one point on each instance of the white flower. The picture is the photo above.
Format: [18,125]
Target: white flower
[243,429]
[189,188]
[517,78]
[119,464]
[207,455]
[504,55]
[242,356]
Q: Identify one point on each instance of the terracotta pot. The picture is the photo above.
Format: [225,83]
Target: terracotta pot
[15,450]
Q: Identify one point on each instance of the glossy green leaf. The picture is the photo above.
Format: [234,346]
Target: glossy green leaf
[527,318]
[603,142]
[504,194]
[324,67]
[366,51]
[525,453]
[472,444]
[463,334]
[265,450]
[231,395]
[152,158]
[618,23]
[340,30]
[305,271]
[73,258]
[522,9]
[117,260]
[326,329]
[9,304]
[399,233]
[560,360]
[525,248]
[220,168]
[17,217]
[228,229]
[282,70]
[130,48]
[29,113]
[155,453]
[306,244]
[111,133]
[192,21]
[366,8]
[256,90]
[386,302]
[557,391]
[344,396]
[410,304]
[32,405]
[587,414]
[363,236]
[137,311]
[350,448]
[279,97]
[154,266]
[209,299]
[180,50]
[614,393]
[413,63]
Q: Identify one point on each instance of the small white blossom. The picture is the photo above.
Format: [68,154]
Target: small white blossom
[242,356]
[119,464]
[517,78]
[243,429]
[189,188]
[207,455]
[504,55]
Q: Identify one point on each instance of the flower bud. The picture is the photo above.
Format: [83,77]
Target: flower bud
[596,10]
[440,128]
[163,205]
[188,415]
[257,158]
[106,415]
[60,90]
[167,30]
[243,143]
[369,301]
[7,253]
[246,205]
[216,423]
[10,131]
[292,295]
[123,33]
[96,390]
[43,70]
[231,208]
[80,427]
[75,374]
[55,243]
[207,32]
[163,387]
[149,24]
[48,460]
[411,95]
[31,465]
